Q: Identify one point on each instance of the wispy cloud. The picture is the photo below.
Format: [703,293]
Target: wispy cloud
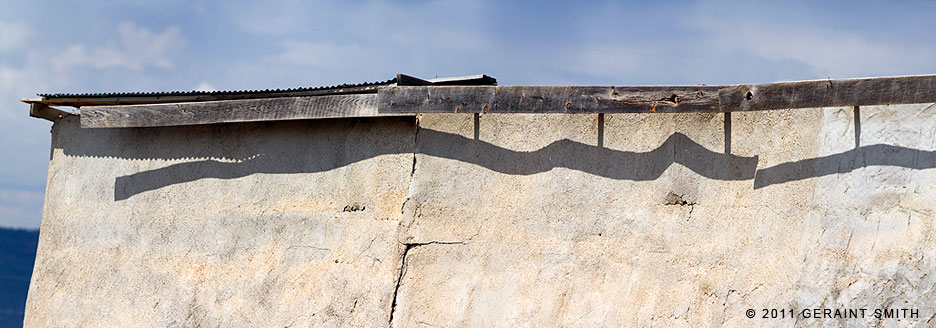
[827,52]
[205,86]
[136,48]
[319,54]
[12,35]
[20,209]
[27,68]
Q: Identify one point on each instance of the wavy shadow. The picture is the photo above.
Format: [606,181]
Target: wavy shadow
[609,163]
[615,164]
[871,155]
[229,151]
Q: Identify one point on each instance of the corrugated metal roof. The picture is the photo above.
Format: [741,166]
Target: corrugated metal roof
[338,87]
[136,98]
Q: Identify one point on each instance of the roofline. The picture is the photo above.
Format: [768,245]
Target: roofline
[411,95]
[136,98]
[90,100]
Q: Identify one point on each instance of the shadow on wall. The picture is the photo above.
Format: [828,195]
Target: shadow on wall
[228,151]
[609,163]
[237,150]
[871,155]
[615,164]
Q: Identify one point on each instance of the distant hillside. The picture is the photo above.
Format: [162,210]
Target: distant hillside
[17,254]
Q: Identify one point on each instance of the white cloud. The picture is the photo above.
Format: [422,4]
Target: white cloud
[24,81]
[205,86]
[376,27]
[322,54]
[137,48]
[291,16]
[12,35]
[20,209]
[835,53]
[28,68]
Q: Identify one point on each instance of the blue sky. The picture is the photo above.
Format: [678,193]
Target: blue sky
[126,45]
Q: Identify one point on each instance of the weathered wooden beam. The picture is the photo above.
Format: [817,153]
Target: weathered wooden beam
[247,110]
[674,99]
[523,99]
[45,112]
[432,98]
[829,93]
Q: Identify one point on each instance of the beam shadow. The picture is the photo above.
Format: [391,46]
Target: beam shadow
[609,163]
[871,155]
[237,150]
[614,164]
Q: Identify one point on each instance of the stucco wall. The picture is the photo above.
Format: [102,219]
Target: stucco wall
[510,220]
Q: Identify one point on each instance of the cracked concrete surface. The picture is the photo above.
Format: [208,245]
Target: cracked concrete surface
[522,220]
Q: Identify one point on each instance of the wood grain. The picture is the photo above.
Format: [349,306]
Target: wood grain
[664,99]
[43,111]
[432,98]
[247,110]
[526,99]
[829,93]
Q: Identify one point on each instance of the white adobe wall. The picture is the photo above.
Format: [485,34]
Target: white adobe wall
[532,223]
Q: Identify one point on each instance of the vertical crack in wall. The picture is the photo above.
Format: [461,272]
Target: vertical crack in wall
[405,223]
[402,270]
[406,246]
[409,191]
[415,144]
[399,281]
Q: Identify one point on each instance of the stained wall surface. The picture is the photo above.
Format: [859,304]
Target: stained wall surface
[681,220]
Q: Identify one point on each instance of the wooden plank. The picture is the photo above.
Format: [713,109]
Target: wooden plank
[248,110]
[664,99]
[45,112]
[829,93]
[403,100]
[526,99]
